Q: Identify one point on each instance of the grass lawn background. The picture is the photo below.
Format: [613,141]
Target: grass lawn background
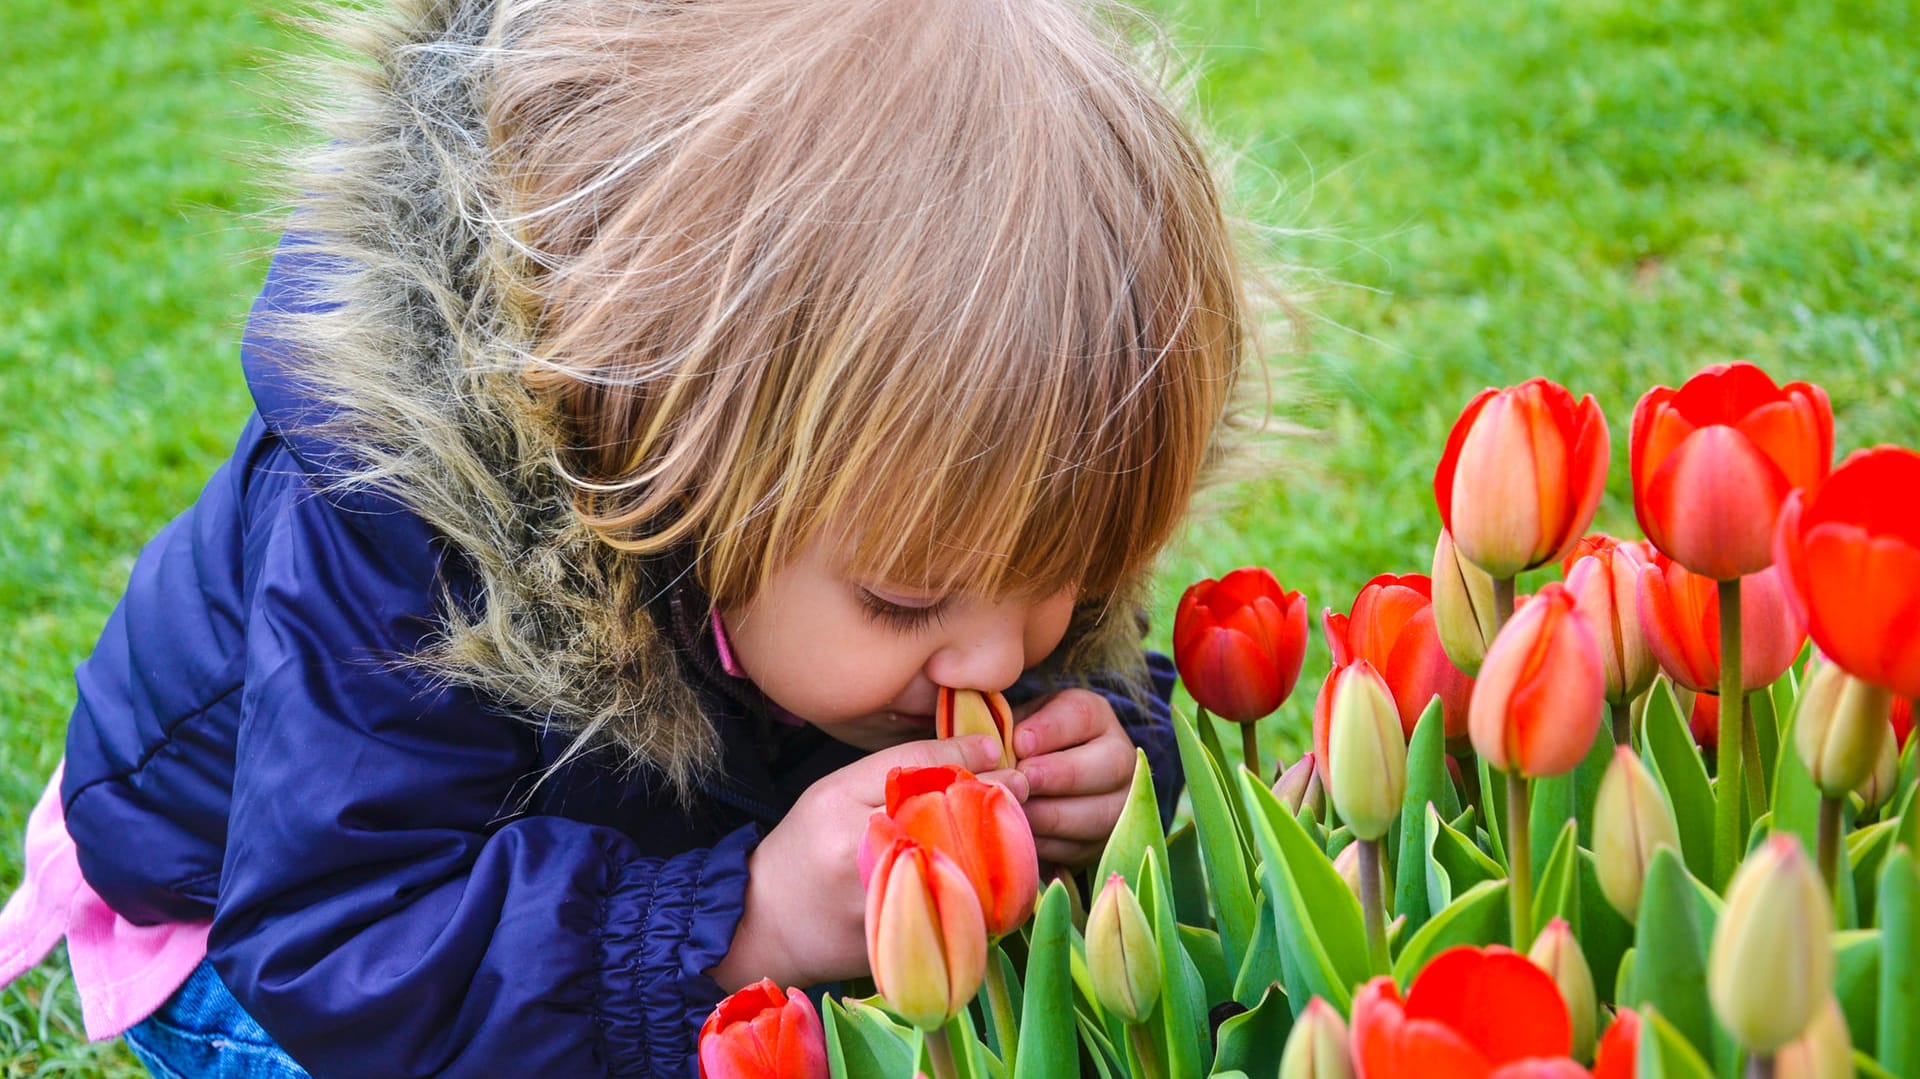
[1608,193]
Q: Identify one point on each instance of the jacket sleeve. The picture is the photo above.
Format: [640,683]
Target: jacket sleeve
[377,913]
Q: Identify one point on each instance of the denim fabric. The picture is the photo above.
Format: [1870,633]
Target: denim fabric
[201,1032]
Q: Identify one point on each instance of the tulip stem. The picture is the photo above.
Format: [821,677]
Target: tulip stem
[1142,1042]
[1250,746]
[1519,863]
[1830,846]
[1622,712]
[1372,905]
[1502,604]
[1000,1003]
[1729,783]
[940,1052]
[1760,1066]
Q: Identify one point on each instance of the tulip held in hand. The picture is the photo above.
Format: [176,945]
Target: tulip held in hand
[761,1032]
[977,824]
[960,712]
[1521,476]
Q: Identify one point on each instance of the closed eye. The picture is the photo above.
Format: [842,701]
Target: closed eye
[900,616]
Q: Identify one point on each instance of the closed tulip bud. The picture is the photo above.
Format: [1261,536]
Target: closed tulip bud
[763,1032]
[1537,703]
[1299,789]
[1366,755]
[1123,958]
[1392,626]
[1347,864]
[1839,728]
[977,824]
[960,712]
[1825,1051]
[1619,1046]
[1771,966]
[1606,589]
[1239,643]
[1631,820]
[1463,609]
[1522,475]
[1885,778]
[1317,1046]
[926,939]
[1556,952]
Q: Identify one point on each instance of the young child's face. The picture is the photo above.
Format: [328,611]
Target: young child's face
[863,661]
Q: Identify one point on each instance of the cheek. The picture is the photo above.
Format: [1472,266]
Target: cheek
[822,663]
[1048,626]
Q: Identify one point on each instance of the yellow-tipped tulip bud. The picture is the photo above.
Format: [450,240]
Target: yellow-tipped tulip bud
[1838,728]
[1317,1047]
[1366,752]
[959,712]
[926,937]
[1463,610]
[1885,778]
[1123,959]
[1771,967]
[1825,1051]
[1631,820]
[1556,952]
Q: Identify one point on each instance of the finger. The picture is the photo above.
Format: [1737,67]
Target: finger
[1097,767]
[1012,779]
[1067,718]
[974,752]
[1068,853]
[1085,818]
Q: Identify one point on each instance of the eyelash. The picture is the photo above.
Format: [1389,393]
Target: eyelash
[902,618]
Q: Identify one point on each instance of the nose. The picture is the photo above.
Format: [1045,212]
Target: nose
[987,650]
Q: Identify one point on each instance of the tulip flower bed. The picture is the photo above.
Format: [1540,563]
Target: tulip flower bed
[1618,827]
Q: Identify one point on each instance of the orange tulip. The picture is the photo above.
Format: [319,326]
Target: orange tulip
[958,712]
[1680,612]
[1471,1013]
[1619,1047]
[762,1032]
[1537,704]
[1239,643]
[1606,589]
[1594,543]
[1714,460]
[977,824]
[1521,475]
[1851,552]
[926,939]
[1392,627]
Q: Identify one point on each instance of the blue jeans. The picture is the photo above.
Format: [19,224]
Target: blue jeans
[201,1032]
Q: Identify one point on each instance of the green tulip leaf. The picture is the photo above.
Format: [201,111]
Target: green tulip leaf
[1252,1041]
[1223,848]
[1427,782]
[1623,980]
[1261,968]
[865,1043]
[1136,832]
[1866,852]
[1669,752]
[1909,776]
[1557,892]
[1569,797]
[1106,1060]
[1899,908]
[1208,732]
[1453,863]
[1478,917]
[1795,801]
[1856,981]
[1316,916]
[1865,1067]
[1766,730]
[1210,960]
[1670,950]
[1493,804]
[1665,1053]
[970,1058]
[1188,877]
[1046,1010]
[1603,934]
[1179,1022]
[1234,1074]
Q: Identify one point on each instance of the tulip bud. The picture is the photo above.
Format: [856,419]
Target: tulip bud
[1885,779]
[1618,1047]
[1556,952]
[1366,756]
[960,712]
[1631,820]
[1537,703]
[1347,864]
[1299,789]
[1463,610]
[1771,966]
[763,1032]
[1123,958]
[926,938]
[977,824]
[1317,1046]
[1606,589]
[1825,1051]
[1839,727]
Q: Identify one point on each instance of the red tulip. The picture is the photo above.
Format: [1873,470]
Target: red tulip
[1703,720]
[1680,612]
[926,939]
[1521,475]
[1537,704]
[1714,460]
[1392,627]
[1851,551]
[1239,642]
[1618,1047]
[1902,721]
[761,1032]
[978,825]
[1606,587]
[1469,1012]
[961,712]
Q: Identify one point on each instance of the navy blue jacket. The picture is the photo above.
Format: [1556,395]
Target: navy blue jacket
[389,890]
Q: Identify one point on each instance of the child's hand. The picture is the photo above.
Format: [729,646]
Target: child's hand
[805,919]
[1078,762]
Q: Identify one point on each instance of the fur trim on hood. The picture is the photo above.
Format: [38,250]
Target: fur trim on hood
[407,365]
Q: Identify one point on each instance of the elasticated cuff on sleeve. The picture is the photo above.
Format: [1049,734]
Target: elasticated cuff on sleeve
[666,924]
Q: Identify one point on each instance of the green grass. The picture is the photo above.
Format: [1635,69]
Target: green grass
[1608,193]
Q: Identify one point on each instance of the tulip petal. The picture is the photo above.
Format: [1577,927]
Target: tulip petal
[1497,511]
[1443,476]
[1497,1000]
[1788,432]
[1657,430]
[1771,632]
[1712,505]
[1866,600]
[1724,392]
[1680,613]
[1541,1068]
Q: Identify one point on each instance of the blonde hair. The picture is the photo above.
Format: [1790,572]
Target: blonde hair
[950,275]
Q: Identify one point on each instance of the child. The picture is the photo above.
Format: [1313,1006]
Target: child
[656,401]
